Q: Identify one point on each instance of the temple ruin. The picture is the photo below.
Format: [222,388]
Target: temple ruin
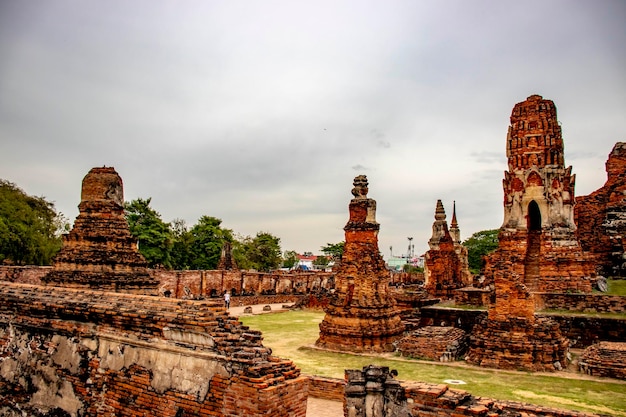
[445,265]
[538,234]
[99,252]
[601,217]
[538,249]
[82,345]
[361,315]
[92,336]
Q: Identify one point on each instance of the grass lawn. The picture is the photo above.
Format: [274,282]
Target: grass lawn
[291,335]
[616,287]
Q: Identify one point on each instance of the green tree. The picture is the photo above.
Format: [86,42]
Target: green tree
[154,235]
[180,254]
[290,259]
[478,245]
[240,247]
[261,252]
[206,241]
[334,251]
[30,227]
[321,262]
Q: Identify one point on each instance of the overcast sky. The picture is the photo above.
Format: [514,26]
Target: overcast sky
[261,113]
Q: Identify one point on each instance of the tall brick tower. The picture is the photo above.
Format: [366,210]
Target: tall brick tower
[538,234]
[537,249]
[361,316]
[99,252]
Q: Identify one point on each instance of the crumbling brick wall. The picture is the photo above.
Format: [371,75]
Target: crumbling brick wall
[84,352]
[208,283]
[601,217]
[205,283]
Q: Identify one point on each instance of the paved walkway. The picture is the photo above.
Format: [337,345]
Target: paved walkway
[316,407]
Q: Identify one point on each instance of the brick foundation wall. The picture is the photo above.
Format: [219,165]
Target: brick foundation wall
[23,274]
[99,354]
[327,388]
[581,330]
[581,302]
[474,296]
[585,331]
[463,319]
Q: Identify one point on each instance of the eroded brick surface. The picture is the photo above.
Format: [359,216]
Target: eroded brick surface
[601,217]
[96,353]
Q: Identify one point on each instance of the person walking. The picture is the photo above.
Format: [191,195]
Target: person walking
[227,300]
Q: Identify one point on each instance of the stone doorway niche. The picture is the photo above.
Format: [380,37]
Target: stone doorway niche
[533,248]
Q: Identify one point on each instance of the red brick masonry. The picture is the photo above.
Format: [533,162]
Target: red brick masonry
[100,353]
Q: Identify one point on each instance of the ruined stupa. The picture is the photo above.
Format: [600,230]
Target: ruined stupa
[361,315]
[445,265]
[538,235]
[99,252]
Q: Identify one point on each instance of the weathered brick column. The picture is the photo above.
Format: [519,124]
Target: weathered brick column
[361,315]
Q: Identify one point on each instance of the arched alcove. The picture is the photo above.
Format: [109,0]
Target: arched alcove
[534,216]
[532,268]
